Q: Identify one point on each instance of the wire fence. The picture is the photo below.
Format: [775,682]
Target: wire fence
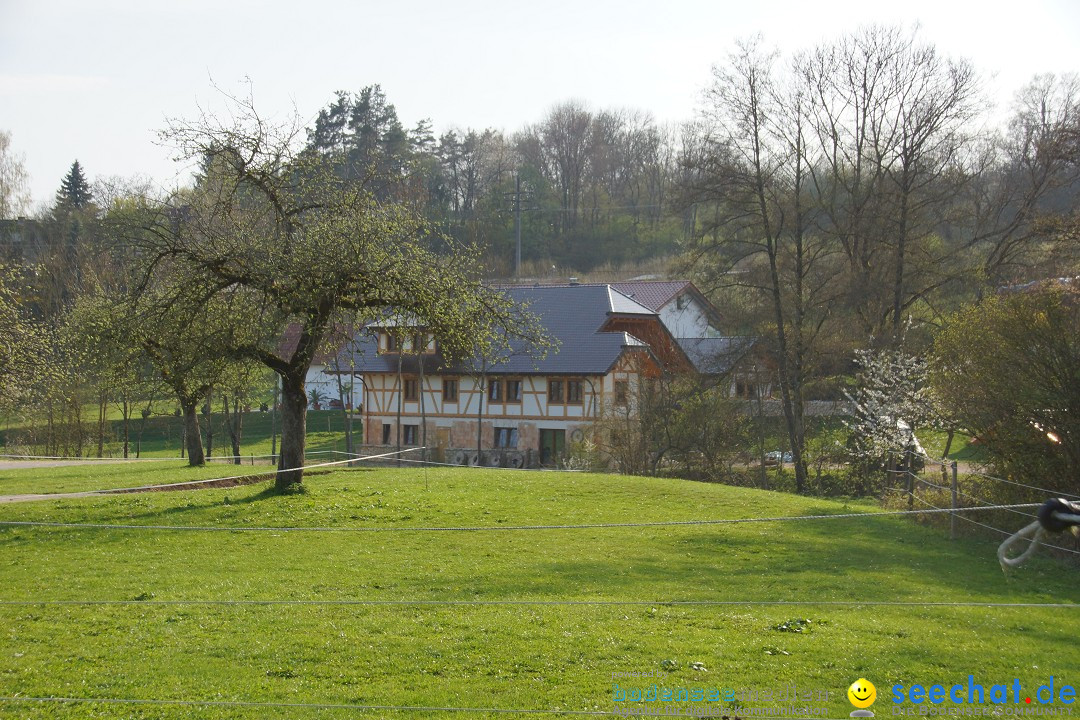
[955,511]
[495,528]
[955,497]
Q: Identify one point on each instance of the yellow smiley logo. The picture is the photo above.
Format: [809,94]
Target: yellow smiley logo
[862,693]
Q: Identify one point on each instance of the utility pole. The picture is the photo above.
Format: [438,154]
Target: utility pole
[516,195]
[517,223]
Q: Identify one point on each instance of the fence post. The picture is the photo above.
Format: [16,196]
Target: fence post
[952,516]
[910,480]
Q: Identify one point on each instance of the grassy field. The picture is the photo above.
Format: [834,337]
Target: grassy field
[107,475]
[163,434]
[174,640]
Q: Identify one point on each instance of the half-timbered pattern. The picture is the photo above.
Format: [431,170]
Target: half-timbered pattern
[524,411]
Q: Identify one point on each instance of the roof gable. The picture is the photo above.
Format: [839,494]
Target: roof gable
[653,294]
[575,315]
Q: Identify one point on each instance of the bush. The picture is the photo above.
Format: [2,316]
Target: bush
[1009,369]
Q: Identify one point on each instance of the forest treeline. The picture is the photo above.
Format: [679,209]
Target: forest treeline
[851,196]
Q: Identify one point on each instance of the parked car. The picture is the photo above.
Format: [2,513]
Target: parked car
[776,457]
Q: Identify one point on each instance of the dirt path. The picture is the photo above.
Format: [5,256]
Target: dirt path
[49,496]
[26,464]
[191,485]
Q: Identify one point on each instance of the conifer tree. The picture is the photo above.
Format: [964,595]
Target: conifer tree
[74,190]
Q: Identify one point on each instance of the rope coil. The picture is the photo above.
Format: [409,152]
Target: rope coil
[1055,515]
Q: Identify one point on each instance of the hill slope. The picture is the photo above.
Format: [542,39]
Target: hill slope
[521,650]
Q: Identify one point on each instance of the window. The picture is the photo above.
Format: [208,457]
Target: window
[555,391]
[506,437]
[449,390]
[418,342]
[386,433]
[409,432]
[495,390]
[390,343]
[513,391]
[574,393]
[622,392]
[412,389]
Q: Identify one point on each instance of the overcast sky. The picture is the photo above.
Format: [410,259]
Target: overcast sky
[95,79]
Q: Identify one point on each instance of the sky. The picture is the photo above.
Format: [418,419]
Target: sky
[96,80]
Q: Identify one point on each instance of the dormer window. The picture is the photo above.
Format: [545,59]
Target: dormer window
[414,343]
[389,343]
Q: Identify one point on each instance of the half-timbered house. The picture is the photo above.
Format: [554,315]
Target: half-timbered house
[525,410]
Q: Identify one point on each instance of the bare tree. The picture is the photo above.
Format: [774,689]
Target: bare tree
[14,180]
[890,125]
[748,175]
[1025,176]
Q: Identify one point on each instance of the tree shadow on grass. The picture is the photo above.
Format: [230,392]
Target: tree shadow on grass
[841,561]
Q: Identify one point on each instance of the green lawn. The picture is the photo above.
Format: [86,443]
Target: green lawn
[525,656]
[107,475]
[933,442]
[163,434]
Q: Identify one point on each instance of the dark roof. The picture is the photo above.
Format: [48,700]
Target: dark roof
[652,294]
[571,314]
[715,356]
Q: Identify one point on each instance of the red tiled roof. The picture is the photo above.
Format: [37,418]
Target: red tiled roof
[653,294]
[336,338]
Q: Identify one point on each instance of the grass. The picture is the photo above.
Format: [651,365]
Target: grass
[102,476]
[164,434]
[498,656]
[962,450]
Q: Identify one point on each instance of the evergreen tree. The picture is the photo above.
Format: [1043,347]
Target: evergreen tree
[74,190]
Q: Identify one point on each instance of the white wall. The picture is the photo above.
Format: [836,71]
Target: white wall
[689,322]
[326,383]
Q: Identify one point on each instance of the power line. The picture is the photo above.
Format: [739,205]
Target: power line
[478,467]
[299,705]
[121,460]
[269,471]
[988,527]
[972,497]
[1055,493]
[482,528]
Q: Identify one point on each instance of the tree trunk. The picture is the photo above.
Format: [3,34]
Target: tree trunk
[127,426]
[209,426]
[192,433]
[346,409]
[273,422]
[238,429]
[293,424]
[142,426]
[232,424]
[400,399]
[103,411]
